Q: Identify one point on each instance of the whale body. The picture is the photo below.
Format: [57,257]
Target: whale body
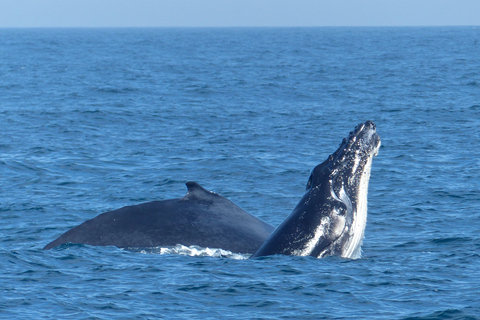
[201,218]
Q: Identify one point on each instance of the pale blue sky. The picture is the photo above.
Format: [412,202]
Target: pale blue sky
[217,13]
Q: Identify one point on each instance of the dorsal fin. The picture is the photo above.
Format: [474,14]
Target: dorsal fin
[195,190]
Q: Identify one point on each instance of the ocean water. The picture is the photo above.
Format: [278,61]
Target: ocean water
[95,119]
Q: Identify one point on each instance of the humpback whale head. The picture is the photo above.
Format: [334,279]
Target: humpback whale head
[343,179]
[331,216]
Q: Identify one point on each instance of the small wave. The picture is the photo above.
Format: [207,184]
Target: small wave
[193,251]
[110,89]
[406,244]
[450,240]
[444,314]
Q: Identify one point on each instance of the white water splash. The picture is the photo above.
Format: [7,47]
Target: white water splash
[195,251]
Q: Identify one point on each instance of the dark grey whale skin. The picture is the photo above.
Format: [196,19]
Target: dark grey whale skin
[200,218]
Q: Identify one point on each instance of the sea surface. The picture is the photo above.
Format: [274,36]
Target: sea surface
[92,120]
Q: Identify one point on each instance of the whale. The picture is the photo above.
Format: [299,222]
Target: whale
[331,216]
[201,218]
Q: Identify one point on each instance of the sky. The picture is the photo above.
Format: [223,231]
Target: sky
[237,13]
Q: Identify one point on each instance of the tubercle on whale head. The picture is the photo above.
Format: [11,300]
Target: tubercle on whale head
[363,138]
[353,153]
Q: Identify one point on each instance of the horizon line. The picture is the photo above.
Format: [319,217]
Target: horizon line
[239,26]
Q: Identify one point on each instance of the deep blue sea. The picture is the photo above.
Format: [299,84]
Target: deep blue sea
[92,120]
